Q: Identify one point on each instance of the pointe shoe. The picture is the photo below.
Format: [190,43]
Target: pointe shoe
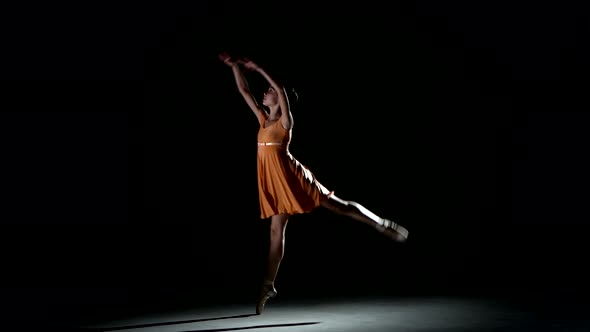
[392,230]
[267,292]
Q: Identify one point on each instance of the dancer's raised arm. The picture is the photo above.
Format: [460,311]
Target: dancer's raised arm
[242,85]
[283,99]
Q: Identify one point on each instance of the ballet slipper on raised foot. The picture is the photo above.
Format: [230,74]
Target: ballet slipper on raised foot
[392,230]
[267,292]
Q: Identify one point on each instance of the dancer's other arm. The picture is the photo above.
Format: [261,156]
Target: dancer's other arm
[243,88]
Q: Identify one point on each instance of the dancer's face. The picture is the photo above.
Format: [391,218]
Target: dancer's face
[270,97]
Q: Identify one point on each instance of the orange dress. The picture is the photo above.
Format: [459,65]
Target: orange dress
[284,184]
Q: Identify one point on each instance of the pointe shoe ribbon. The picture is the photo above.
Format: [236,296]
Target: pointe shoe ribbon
[393,230]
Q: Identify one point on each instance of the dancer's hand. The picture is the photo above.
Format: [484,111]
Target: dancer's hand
[248,64]
[227,59]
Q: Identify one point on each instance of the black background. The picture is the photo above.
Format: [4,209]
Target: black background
[129,176]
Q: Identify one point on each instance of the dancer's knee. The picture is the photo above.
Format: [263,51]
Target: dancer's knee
[353,207]
[277,229]
[276,232]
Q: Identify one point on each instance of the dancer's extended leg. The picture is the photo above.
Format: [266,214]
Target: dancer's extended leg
[358,212]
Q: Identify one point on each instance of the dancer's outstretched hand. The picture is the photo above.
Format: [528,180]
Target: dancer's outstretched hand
[227,59]
[248,64]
